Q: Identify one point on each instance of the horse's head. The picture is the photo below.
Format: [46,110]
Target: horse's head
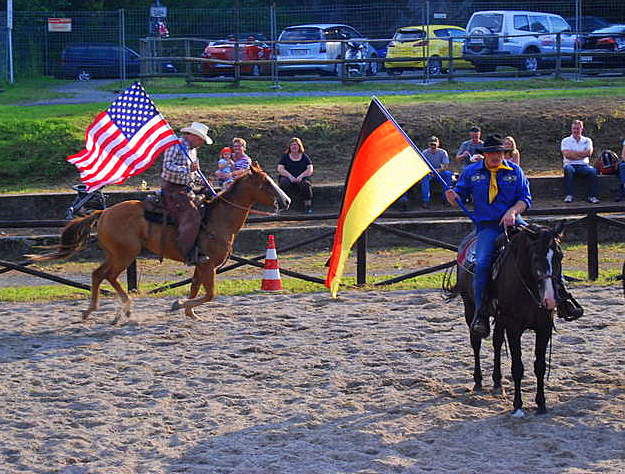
[545,260]
[263,189]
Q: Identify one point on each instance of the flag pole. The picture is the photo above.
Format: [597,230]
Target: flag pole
[446,187]
[199,171]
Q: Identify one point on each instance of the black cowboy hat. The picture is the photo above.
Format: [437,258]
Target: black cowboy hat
[492,143]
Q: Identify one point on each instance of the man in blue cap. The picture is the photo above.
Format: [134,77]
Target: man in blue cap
[500,192]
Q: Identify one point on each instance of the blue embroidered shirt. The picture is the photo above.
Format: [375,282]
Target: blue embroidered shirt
[513,187]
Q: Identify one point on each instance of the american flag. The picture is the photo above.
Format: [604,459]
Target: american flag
[123,141]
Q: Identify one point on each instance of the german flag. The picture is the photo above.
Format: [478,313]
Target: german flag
[384,166]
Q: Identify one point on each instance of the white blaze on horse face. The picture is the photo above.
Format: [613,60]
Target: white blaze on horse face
[284,201]
[549,298]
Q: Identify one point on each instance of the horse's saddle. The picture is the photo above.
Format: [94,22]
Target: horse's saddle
[154,210]
[466,251]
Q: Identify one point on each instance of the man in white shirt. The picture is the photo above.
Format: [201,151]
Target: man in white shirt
[576,152]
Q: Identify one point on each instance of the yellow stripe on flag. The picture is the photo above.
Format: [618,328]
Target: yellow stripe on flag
[383,188]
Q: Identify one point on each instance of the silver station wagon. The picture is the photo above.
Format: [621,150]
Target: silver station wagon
[319,42]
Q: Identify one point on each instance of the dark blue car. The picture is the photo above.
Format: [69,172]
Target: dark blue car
[101,60]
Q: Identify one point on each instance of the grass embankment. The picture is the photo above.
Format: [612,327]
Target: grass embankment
[34,141]
[382,264]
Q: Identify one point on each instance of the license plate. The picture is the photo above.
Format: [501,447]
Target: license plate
[299,52]
[585,59]
[476,42]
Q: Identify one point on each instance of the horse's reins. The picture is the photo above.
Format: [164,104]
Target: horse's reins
[248,209]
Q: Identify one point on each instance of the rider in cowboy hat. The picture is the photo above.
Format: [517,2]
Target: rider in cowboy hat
[500,193]
[180,165]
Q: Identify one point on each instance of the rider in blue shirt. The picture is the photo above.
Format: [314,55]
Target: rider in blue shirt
[500,193]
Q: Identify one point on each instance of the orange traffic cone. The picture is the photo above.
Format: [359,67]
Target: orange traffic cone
[271,270]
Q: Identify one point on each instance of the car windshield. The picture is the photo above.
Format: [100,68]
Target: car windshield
[301,34]
[409,35]
[492,21]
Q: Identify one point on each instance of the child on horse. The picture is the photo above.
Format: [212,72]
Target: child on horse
[500,192]
[180,166]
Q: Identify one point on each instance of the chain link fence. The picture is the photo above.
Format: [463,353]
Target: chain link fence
[38,48]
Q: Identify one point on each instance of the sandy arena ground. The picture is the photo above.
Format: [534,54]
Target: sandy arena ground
[274,383]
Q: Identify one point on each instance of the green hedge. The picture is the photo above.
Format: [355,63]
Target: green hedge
[36,149]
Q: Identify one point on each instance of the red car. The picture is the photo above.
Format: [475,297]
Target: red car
[251,48]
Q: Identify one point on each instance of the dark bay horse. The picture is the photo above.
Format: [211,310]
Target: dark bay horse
[123,232]
[523,295]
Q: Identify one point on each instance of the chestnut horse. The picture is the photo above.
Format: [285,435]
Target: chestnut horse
[524,292]
[123,232]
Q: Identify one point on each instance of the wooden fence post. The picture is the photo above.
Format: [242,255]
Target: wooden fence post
[361,260]
[131,276]
[592,246]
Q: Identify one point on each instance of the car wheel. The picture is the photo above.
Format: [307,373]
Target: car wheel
[393,72]
[83,75]
[373,68]
[435,66]
[530,63]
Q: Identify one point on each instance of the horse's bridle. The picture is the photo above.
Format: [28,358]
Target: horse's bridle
[249,208]
[548,276]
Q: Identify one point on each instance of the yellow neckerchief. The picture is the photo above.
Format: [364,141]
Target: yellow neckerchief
[492,188]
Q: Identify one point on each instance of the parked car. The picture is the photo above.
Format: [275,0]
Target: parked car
[601,42]
[320,42]
[101,60]
[587,23]
[494,37]
[252,47]
[426,41]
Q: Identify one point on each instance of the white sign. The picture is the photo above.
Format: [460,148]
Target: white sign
[440,15]
[60,25]
[158,12]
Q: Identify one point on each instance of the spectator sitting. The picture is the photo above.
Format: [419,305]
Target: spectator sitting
[242,162]
[439,159]
[468,151]
[224,168]
[512,153]
[295,169]
[576,152]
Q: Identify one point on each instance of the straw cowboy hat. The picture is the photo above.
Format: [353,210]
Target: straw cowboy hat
[200,130]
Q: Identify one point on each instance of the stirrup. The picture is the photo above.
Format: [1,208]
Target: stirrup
[195,258]
[480,325]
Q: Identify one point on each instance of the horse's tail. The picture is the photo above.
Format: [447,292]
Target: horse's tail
[74,237]
[450,287]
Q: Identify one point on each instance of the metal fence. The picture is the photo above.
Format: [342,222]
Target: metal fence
[37,50]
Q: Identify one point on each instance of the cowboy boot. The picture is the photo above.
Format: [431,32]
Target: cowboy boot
[480,326]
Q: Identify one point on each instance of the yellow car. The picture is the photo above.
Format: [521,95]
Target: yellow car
[422,42]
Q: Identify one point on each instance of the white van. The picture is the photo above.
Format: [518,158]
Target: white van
[494,36]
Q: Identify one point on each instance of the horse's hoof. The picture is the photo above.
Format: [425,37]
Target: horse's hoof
[176,305]
[518,413]
[541,410]
[477,388]
[498,390]
[191,315]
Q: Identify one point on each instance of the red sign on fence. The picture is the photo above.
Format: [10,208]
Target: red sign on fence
[61,25]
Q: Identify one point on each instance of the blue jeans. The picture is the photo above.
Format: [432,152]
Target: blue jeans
[570,171]
[621,177]
[487,234]
[426,194]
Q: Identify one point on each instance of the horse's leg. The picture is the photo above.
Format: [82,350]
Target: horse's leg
[117,265]
[498,338]
[205,275]
[543,335]
[476,344]
[514,342]
[96,280]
